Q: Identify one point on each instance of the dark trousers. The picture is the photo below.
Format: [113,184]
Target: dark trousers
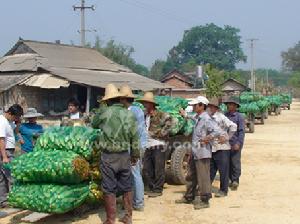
[235,166]
[116,173]
[200,184]
[154,169]
[220,162]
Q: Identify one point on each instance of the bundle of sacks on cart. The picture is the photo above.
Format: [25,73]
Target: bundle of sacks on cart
[60,174]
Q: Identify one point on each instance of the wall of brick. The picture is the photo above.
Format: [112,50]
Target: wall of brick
[177,83]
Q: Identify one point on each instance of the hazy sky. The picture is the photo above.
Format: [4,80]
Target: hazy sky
[153,27]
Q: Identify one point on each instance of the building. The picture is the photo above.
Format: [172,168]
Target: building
[45,75]
[182,85]
[232,87]
[177,80]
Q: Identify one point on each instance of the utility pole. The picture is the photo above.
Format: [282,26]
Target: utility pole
[252,63]
[82,9]
[82,40]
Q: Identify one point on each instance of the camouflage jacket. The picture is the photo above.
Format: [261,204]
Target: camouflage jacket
[160,125]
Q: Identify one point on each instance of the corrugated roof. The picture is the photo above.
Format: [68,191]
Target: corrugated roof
[77,64]
[8,80]
[19,62]
[68,56]
[45,81]
[102,78]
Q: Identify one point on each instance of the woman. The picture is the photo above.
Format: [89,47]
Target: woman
[30,130]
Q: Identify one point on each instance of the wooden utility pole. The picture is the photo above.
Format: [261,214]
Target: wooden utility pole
[82,9]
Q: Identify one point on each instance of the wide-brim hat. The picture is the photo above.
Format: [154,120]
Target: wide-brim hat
[31,113]
[232,100]
[148,97]
[111,92]
[127,92]
[214,102]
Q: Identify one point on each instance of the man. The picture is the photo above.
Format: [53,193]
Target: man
[204,133]
[138,184]
[221,149]
[7,148]
[73,109]
[119,137]
[236,142]
[158,125]
[30,130]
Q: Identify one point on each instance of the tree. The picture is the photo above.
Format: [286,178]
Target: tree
[157,69]
[214,83]
[120,54]
[209,44]
[291,58]
[294,80]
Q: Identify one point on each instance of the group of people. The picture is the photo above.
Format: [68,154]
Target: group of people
[216,146]
[15,133]
[133,144]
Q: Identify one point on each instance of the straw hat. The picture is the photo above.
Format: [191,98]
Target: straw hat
[111,92]
[148,97]
[214,102]
[127,92]
[31,113]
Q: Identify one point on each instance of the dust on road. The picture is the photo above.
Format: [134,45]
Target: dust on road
[269,191]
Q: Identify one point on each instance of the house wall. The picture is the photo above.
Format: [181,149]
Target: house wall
[177,83]
[45,100]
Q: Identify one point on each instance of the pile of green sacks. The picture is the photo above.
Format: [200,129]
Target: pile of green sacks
[59,175]
[253,102]
[172,106]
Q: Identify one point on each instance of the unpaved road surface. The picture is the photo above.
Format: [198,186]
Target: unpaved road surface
[269,191]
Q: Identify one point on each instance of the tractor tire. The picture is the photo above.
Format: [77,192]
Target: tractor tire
[262,119]
[277,111]
[266,115]
[289,107]
[251,127]
[179,165]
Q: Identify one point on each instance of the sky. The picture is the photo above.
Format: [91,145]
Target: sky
[154,27]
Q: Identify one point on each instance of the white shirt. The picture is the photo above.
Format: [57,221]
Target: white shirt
[7,132]
[228,129]
[75,116]
[151,142]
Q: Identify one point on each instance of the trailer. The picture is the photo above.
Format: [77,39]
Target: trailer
[274,109]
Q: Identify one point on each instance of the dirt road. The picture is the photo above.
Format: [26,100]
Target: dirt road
[269,191]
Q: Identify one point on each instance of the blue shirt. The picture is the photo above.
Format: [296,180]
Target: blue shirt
[205,126]
[140,117]
[239,136]
[28,131]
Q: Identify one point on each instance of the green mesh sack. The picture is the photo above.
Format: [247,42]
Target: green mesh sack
[50,167]
[48,198]
[80,140]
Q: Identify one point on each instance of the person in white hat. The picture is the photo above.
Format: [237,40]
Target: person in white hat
[158,125]
[138,184]
[221,147]
[120,136]
[30,130]
[205,131]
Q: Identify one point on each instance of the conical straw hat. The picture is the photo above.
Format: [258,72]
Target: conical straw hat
[127,92]
[148,97]
[111,92]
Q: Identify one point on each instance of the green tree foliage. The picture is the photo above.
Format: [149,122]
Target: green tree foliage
[157,69]
[214,83]
[294,80]
[275,77]
[120,54]
[220,47]
[291,58]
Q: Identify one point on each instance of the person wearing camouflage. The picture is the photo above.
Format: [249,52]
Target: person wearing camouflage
[158,125]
